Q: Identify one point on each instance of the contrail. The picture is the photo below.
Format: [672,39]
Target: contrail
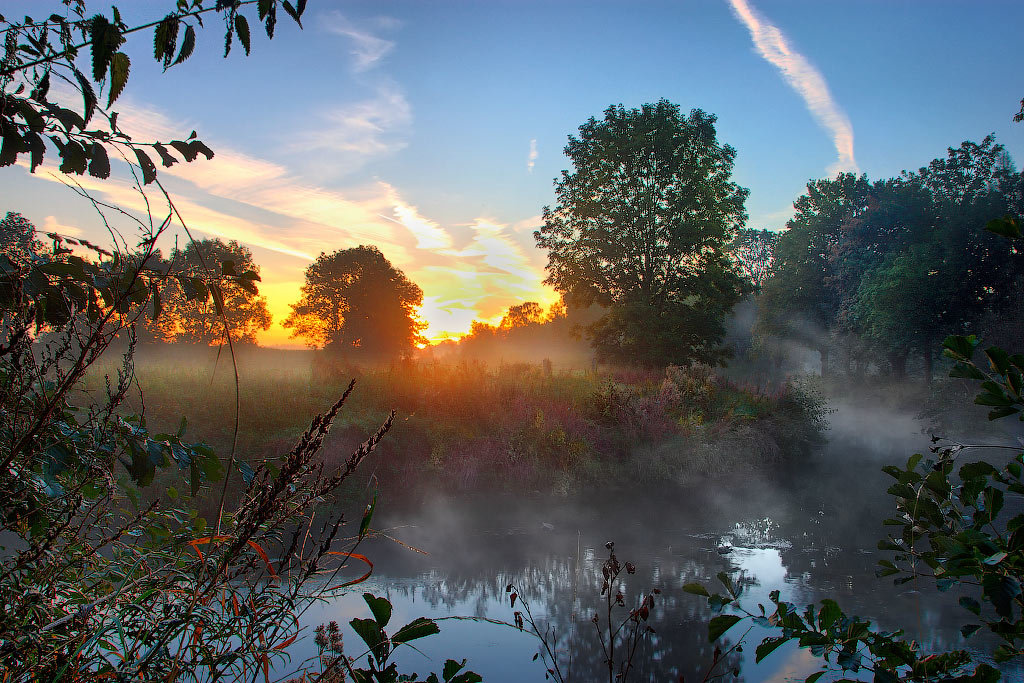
[803,78]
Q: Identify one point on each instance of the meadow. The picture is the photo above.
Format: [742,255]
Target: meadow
[466,426]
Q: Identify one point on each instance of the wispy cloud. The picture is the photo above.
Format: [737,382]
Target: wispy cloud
[531,158]
[802,77]
[367,49]
[351,135]
[468,271]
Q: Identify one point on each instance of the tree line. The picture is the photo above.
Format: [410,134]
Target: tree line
[648,247]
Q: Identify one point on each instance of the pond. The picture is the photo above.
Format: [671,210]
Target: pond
[809,531]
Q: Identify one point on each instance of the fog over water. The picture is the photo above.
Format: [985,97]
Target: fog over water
[809,531]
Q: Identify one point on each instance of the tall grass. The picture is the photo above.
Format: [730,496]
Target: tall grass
[468,425]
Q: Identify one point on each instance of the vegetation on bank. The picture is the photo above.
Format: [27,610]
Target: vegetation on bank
[465,426]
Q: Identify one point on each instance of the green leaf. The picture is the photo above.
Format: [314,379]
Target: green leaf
[165,157]
[242,29]
[364,524]
[120,67]
[370,633]
[188,45]
[99,163]
[147,166]
[1006,227]
[959,347]
[292,12]
[165,38]
[380,607]
[768,646]
[696,589]
[417,628]
[814,677]
[104,39]
[967,372]
[719,625]
[88,96]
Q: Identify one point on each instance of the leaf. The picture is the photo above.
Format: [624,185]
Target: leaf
[420,627]
[88,96]
[380,607]
[188,45]
[99,164]
[292,12]
[165,157]
[165,38]
[364,523]
[1006,227]
[719,625]
[242,29]
[959,347]
[104,38]
[120,67]
[372,635]
[768,646]
[146,164]
[696,589]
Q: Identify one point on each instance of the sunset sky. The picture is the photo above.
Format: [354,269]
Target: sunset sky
[433,130]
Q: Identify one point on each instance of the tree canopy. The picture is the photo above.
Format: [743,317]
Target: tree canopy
[355,302]
[893,265]
[188,318]
[641,227]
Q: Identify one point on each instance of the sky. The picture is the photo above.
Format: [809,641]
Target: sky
[434,130]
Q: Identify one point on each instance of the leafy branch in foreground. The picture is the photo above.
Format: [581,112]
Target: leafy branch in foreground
[38,54]
[952,531]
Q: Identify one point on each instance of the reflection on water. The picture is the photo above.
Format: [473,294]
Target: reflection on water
[810,533]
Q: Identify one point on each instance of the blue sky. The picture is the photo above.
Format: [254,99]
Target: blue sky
[410,125]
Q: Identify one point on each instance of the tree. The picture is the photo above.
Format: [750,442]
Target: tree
[641,228]
[801,300]
[355,302]
[18,240]
[754,253]
[522,315]
[195,320]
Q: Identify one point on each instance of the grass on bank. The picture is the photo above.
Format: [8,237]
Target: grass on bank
[469,426]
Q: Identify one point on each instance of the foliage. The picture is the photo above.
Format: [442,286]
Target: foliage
[380,647]
[189,316]
[633,231]
[894,264]
[38,53]
[356,303]
[754,254]
[109,577]
[618,636]
[952,530]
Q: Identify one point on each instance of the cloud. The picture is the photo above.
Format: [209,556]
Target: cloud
[350,135]
[804,78]
[468,271]
[367,49]
[531,158]
[50,224]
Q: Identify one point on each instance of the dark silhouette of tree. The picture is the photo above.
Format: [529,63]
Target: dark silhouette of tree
[18,240]
[189,319]
[641,228]
[355,302]
[522,315]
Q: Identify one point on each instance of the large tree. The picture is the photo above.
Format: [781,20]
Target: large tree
[641,228]
[355,302]
[195,319]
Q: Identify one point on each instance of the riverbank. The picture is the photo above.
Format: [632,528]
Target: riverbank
[469,426]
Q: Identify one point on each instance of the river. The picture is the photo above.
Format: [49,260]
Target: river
[809,531]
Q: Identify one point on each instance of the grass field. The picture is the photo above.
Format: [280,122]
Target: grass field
[469,426]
